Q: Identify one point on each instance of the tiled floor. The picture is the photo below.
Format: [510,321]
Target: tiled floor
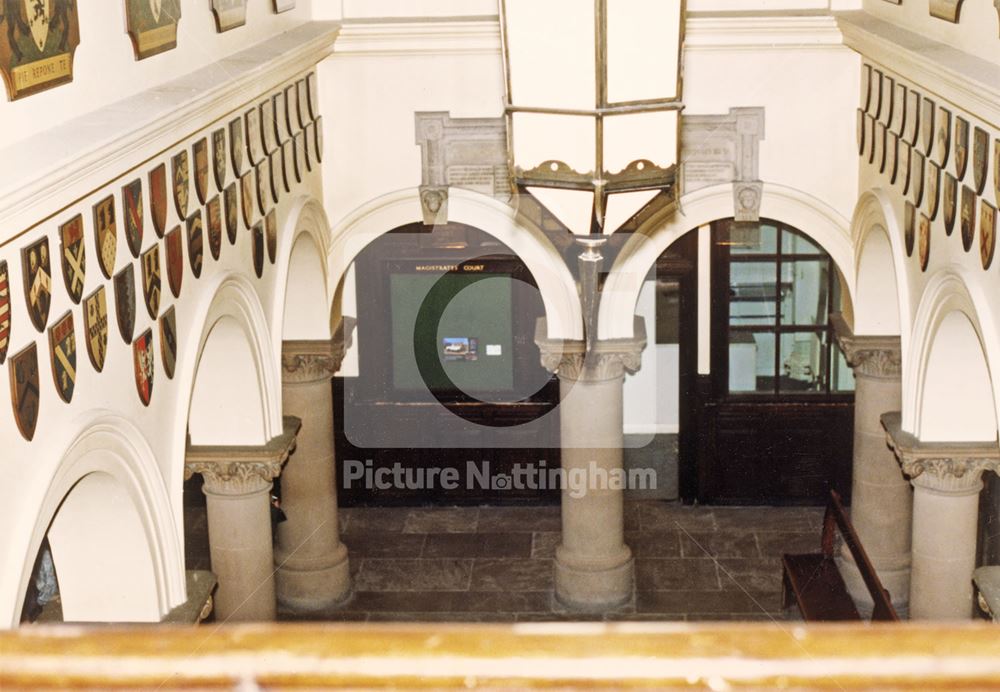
[494,564]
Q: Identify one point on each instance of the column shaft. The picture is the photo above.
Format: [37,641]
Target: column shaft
[311,561]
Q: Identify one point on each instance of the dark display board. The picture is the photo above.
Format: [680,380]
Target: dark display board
[473,332]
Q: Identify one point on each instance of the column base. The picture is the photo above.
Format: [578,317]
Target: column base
[895,578]
[590,585]
[305,586]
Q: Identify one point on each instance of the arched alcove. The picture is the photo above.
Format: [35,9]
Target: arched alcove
[949,385]
[233,378]
[555,282]
[882,305]
[108,520]
[622,287]
[302,308]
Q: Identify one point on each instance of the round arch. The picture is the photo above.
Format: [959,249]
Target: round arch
[555,283]
[948,384]
[883,300]
[232,377]
[621,290]
[303,297]
[108,516]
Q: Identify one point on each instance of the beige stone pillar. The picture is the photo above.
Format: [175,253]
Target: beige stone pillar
[881,497]
[237,490]
[593,566]
[946,478]
[312,562]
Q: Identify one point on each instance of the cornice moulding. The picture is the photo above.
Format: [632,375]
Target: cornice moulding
[968,82]
[761,31]
[61,166]
[461,36]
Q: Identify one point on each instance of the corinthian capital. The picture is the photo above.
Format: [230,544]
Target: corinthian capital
[874,356]
[608,360]
[955,467]
[306,361]
[238,470]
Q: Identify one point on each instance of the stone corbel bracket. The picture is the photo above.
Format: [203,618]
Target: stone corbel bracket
[239,468]
[947,466]
[466,152]
[608,359]
[874,356]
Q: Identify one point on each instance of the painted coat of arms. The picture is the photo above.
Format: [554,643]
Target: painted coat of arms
[74,257]
[142,358]
[182,182]
[106,235]
[151,280]
[246,198]
[125,301]
[277,175]
[968,219]
[961,145]
[158,198]
[37,282]
[214,212]
[236,145]
[271,231]
[232,214]
[168,341]
[229,14]
[25,395]
[95,324]
[950,202]
[258,249]
[132,202]
[263,186]
[37,41]
[201,169]
[4,312]
[196,250]
[980,158]
[175,260]
[152,25]
[219,158]
[62,345]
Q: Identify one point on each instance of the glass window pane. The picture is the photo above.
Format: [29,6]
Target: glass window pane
[751,361]
[793,243]
[842,377]
[752,239]
[752,299]
[803,362]
[804,292]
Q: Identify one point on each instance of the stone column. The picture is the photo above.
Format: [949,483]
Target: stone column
[881,498]
[237,490]
[593,566]
[312,563]
[946,478]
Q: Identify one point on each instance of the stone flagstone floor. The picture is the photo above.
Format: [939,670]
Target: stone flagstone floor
[494,564]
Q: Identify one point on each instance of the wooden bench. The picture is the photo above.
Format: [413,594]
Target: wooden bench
[814,583]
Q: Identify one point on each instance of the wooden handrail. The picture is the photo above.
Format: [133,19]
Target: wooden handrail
[595,655]
[836,516]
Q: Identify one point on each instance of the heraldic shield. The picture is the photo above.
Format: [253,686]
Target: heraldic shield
[95,324]
[196,243]
[142,357]
[950,202]
[247,198]
[271,229]
[258,249]
[232,219]
[151,280]
[980,158]
[132,202]
[214,211]
[62,347]
[219,158]
[168,341]
[158,198]
[125,302]
[74,258]
[236,144]
[106,235]
[24,391]
[182,183]
[4,312]
[201,169]
[175,260]
[37,282]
